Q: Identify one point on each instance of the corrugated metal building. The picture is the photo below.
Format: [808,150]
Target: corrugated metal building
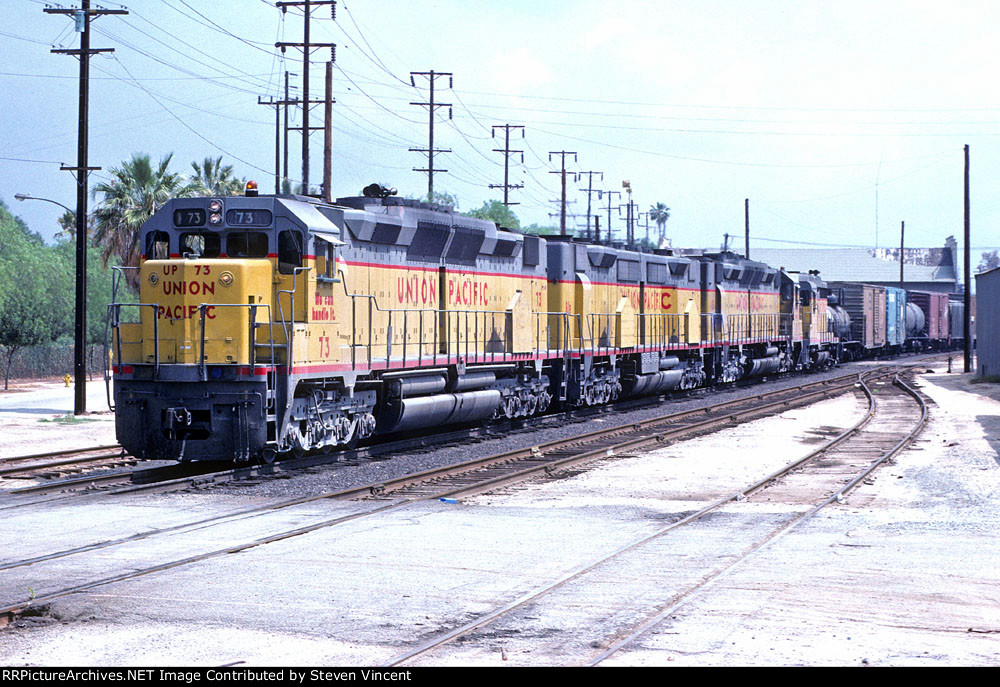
[924,269]
[988,323]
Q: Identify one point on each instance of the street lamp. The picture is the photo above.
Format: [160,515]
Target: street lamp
[25,196]
[80,326]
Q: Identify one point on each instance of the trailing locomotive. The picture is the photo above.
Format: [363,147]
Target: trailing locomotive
[272,324]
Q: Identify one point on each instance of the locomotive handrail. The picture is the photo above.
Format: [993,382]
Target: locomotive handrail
[202,311]
[114,310]
[289,329]
[116,325]
[117,275]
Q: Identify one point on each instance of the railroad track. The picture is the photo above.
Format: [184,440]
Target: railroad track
[56,463]
[895,415]
[452,482]
[48,468]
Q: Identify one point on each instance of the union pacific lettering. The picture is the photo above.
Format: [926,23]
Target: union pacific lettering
[737,301]
[467,291]
[417,290]
[188,288]
[183,312]
[653,299]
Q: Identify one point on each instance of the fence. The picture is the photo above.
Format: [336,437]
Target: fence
[53,360]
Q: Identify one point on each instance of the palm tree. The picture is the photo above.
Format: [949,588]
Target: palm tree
[212,179]
[137,190]
[660,213]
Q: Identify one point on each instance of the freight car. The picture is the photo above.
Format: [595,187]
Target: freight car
[273,324]
[931,331]
[866,308]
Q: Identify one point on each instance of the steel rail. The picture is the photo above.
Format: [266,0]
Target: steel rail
[113,459]
[52,454]
[837,497]
[738,496]
[580,571]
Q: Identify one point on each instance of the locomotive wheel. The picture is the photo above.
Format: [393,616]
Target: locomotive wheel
[267,456]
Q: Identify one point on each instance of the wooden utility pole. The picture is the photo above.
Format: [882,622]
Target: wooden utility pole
[307,47]
[432,106]
[590,190]
[285,104]
[902,230]
[609,194]
[276,104]
[562,173]
[645,215]
[506,159]
[967,328]
[629,224]
[746,230]
[83,17]
[328,136]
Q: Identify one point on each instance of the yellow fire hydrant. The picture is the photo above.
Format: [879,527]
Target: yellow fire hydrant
[66,378]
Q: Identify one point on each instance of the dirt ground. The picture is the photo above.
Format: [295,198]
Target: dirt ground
[37,415]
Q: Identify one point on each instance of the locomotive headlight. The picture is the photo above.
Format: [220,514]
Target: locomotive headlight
[215,205]
[215,218]
[226,278]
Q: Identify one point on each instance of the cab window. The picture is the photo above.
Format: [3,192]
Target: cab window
[289,251]
[203,245]
[157,245]
[246,244]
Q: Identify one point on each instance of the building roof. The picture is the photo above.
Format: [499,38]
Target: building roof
[867,264]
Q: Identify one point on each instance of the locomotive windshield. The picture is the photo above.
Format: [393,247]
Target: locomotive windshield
[246,244]
[205,245]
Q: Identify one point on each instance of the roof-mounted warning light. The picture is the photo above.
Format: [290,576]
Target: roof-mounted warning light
[251,189]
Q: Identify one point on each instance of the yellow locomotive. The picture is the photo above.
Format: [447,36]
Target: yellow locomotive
[270,324]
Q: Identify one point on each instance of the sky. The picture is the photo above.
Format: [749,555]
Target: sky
[837,121]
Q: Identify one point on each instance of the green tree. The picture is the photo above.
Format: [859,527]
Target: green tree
[991,260]
[439,197]
[498,213]
[538,230]
[99,293]
[136,191]
[34,305]
[660,213]
[213,179]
